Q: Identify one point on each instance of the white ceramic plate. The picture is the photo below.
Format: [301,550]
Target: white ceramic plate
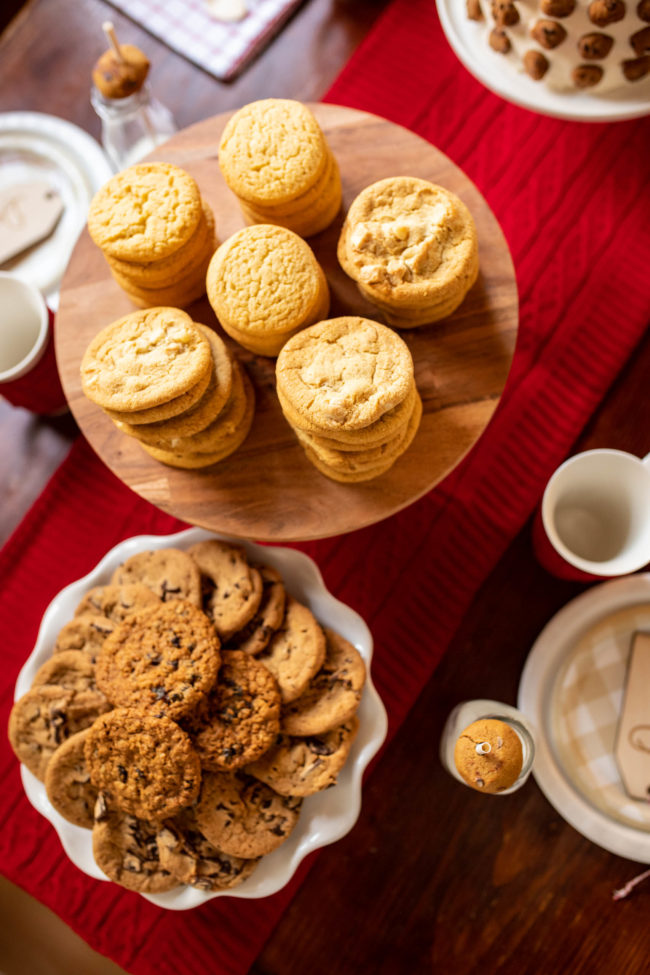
[34,146]
[324,817]
[468,41]
[578,794]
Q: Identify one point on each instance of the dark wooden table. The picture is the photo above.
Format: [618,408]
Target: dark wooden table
[433,878]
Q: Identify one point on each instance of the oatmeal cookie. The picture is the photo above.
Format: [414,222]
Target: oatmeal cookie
[240,718]
[144,763]
[163,659]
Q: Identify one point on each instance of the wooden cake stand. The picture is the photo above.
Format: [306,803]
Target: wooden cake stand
[268,490]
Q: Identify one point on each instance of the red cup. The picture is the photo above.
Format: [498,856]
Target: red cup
[28,374]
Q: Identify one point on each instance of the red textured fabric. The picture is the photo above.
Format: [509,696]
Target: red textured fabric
[570,199]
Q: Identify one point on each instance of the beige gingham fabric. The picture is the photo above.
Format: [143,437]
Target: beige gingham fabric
[223,49]
[585,706]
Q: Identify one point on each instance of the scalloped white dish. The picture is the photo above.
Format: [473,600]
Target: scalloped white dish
[326,816]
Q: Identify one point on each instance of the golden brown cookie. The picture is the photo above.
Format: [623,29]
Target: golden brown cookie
[296,651]
[144,763]
[67,782]
[255,635]
[333,695]
[240,718]
[163,659]
[145,212]
[232,589]
[125,848]
[44,717]
[303,766]
[165,411]
[264,284]
[344,373]
[145,359]
[242,816]
[193,860]
[114,602]
[219,440]
[168,573]
[72,670]
[203,413]
[488,755]
[272,151]
[86,633]
[411,246]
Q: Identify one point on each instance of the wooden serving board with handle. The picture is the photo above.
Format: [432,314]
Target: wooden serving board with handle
[268,490]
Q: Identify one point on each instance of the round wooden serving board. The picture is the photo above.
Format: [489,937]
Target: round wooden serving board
[268,490]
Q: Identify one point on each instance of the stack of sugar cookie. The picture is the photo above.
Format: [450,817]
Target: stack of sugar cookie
[412,248]
[274,157]
[346,386]
[172,384]
[265,284]
[156,232]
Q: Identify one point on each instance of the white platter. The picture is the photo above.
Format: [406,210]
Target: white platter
[469,43]
[34,146]
[589,797]
[324,817]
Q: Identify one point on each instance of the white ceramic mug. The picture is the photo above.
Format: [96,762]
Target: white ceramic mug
[28,373]
[595,514]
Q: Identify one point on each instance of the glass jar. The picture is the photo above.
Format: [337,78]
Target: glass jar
[132,126]
[465,714]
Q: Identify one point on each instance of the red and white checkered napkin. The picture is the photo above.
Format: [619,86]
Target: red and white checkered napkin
[221,48]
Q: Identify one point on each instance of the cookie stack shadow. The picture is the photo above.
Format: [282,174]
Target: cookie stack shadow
[188,708]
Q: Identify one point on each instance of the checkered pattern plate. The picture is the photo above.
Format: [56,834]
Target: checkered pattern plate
[221,48]
[572,691]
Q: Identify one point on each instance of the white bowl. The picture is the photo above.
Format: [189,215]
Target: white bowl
[324,817]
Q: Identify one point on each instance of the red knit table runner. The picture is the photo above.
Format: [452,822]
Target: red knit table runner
[569,198]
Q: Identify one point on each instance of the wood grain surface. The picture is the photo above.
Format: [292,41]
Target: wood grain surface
[268,489]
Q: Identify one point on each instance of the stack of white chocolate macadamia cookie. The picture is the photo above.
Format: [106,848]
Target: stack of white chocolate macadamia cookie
[187,709]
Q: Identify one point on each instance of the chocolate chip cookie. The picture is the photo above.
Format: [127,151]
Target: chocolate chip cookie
[70,669]
[163,659]
[144,763]
[232,590]
[44,717]
[240,718]
[185,851]
[86,633]
[255,635]
[116,601]
[334,694]
[125,848]
[67,782]
[242,816]
[302,766]
[168,572]
[296,651]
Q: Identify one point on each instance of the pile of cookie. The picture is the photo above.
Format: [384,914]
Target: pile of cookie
[412,248]
[346,386]
[172,384]
[188,708]
[156,232]
[274,157]
[264,284]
